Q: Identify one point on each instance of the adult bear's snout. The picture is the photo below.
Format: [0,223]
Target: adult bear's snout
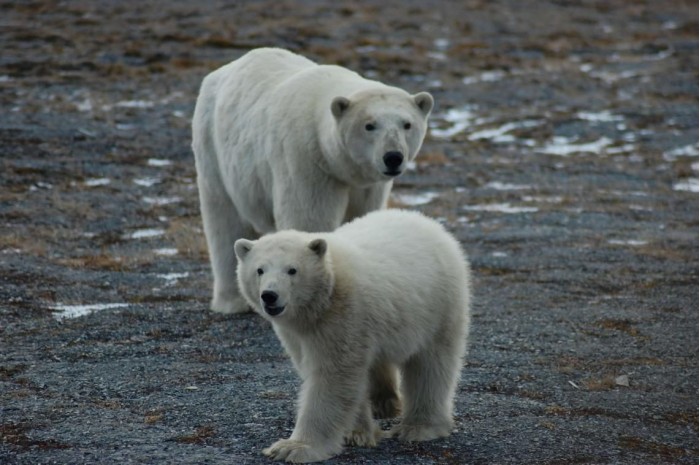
[393,161]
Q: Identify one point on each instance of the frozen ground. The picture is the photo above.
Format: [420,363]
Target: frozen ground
[563,154]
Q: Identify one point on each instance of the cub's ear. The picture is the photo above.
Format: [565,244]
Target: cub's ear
[319,247]
[424,101]
[242,247]
[339,106]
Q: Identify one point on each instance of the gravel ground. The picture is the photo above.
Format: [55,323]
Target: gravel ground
[563,154]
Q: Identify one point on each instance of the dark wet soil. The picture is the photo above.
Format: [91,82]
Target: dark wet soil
[563,154]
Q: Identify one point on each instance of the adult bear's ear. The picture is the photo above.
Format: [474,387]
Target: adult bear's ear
[425,102]
[319,247]
[338,106]
[242,247]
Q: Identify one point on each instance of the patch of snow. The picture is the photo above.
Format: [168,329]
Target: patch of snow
[416,199]
[459,120]
[145,233]
[599,117]
[147,182]
[632,242]
[500,208]
[159,162]
[687,185]
[501,186]
[159,201]
[500,134]
[94,182]
[166,251]
[690,150]
[135,104]
[75,311]
[172,278]
[563,146]
[487,76]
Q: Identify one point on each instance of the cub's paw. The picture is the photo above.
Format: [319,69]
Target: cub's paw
[237,304]
[416,433]
[295,452]
[363,438]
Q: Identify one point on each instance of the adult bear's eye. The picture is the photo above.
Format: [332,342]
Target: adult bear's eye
[370,127]
[260,271]
[292,271]
[407,126]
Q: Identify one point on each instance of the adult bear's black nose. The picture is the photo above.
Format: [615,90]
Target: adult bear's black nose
[269,297]
[393,160]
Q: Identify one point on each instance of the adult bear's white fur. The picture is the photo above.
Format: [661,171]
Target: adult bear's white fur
[391,287]
[283,143]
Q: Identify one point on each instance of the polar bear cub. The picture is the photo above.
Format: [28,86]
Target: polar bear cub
[283,143]
[392,287]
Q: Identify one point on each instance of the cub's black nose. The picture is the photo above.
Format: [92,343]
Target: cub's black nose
[393,160]
[269,297]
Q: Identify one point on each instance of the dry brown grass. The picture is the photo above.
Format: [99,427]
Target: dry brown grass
[188,236]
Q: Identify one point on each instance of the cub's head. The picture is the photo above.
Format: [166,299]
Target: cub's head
[382,130]
[284,276]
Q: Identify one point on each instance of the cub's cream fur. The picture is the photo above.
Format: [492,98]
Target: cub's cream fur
[283,143]
[389,289]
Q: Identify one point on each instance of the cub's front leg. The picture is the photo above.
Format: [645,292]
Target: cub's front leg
[328,405]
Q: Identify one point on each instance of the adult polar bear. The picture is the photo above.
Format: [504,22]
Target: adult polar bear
[283,143]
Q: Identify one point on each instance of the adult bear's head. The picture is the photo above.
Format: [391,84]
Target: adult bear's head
[382,129]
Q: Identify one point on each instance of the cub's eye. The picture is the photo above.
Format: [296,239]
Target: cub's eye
[292,271]
[407,126]
[260,271]
[370,127]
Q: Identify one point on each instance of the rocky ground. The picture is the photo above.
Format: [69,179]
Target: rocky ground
[563,154]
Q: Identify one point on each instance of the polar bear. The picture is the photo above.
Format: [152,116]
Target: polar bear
[392,287]
[283,143]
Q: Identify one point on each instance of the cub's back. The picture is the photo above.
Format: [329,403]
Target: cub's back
[401,240]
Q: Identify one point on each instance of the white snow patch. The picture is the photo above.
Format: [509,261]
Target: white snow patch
[416,199]
[135,104]
[687,185]
[172,278]
[441,43]
[500,134]
[85,105]
[166,251]
[564,146]
[500,208]
[147,182]
[97,182]
[159,162]
[599,117]
[145,233]
[632,242]
[487,76]
[75,311]
[621,149]
[159,201]
[543,198]
[459,120]
[503,186]
[690,150]
[610,77]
